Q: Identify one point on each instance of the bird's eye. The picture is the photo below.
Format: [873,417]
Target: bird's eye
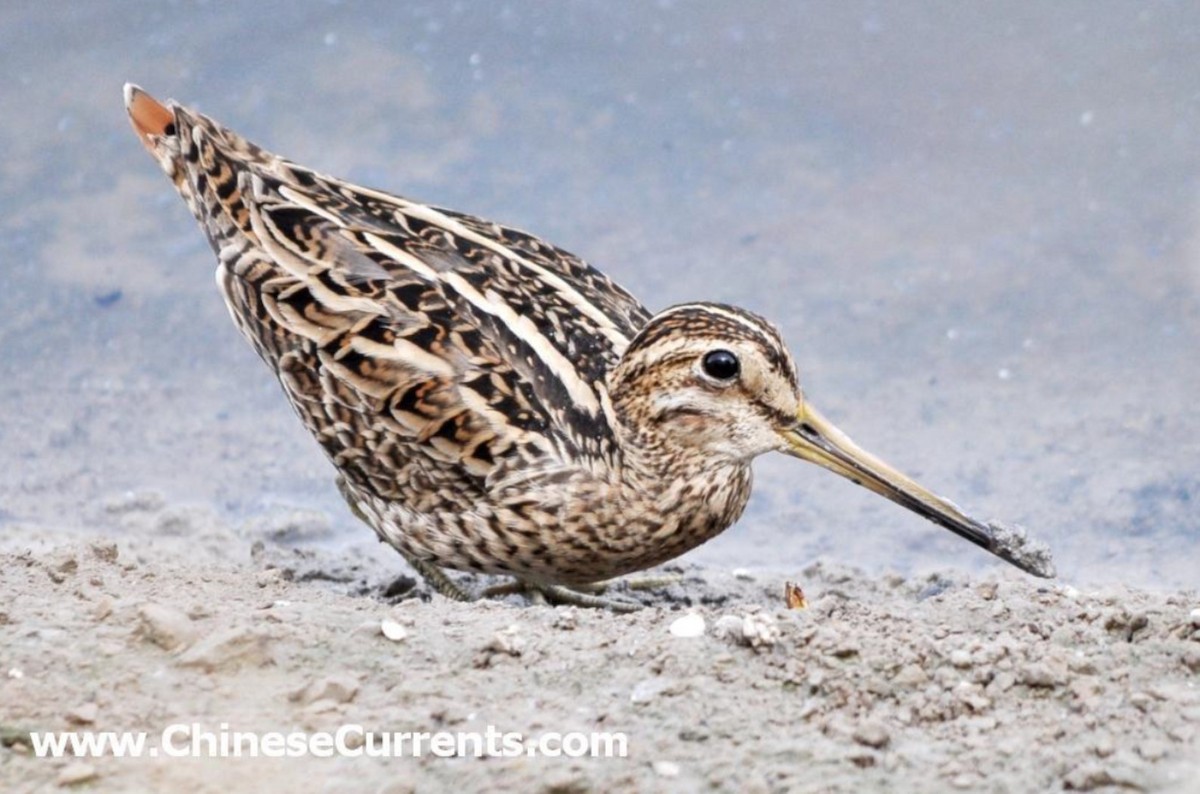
[721,365]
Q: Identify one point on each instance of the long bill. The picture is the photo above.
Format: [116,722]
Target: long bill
[817,440]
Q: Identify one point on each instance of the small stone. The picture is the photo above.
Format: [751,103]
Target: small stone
[760,631]
[339,688]
[1003,681]
[84,715]
[872,734]
[64,569]
[743,574]
[227,649]
[960,658]
[104,550]
[1093,775]
[1041,676]
[102,608]
[321,706]
[507,642]
[1194,617]
[268,577]
[666,768]
[646,690]
[845,649]
[1081,665]
[165,626]
[690,625]
[1104,746]
[566,618]
[911,675]
[728,627]
[75,773]
[393,630]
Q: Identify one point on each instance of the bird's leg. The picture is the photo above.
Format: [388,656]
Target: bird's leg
[648,582]
[437,579]
[557,594]
[434,576]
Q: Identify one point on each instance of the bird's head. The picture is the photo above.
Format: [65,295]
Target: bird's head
[709,379]
[713,382]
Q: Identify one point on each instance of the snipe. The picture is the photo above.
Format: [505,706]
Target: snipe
[491,402]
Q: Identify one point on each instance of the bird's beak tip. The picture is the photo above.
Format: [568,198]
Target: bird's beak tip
[817,440]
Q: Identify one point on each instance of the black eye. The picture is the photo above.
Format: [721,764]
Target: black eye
[721,364]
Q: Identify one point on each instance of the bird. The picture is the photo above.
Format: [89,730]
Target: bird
[492,403]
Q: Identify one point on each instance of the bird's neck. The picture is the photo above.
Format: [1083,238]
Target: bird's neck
[696,496]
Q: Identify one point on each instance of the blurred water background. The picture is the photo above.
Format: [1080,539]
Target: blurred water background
[976,224]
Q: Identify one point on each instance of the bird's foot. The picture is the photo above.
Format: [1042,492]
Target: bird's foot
[558,594]
[631,583]
[543,594]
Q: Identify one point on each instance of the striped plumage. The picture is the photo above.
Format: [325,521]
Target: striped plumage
[491,402]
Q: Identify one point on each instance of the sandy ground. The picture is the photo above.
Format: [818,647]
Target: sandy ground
[943,682]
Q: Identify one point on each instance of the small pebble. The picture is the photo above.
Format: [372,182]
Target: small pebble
[1037,674]
[646,690]
[728,627]
[690,625]
[102,608]
[165,626]
[228,648]
[105,550]
[987,590]
[268,576]
[75,773]
[1003,681]
[566,618]
[507,641]
[872,734]
[911,676]
[84,715]
[1194,616]
[339,688]
[760,631]
[393,630]
[666,768]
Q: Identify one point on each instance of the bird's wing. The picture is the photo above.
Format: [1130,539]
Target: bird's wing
[409,339]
